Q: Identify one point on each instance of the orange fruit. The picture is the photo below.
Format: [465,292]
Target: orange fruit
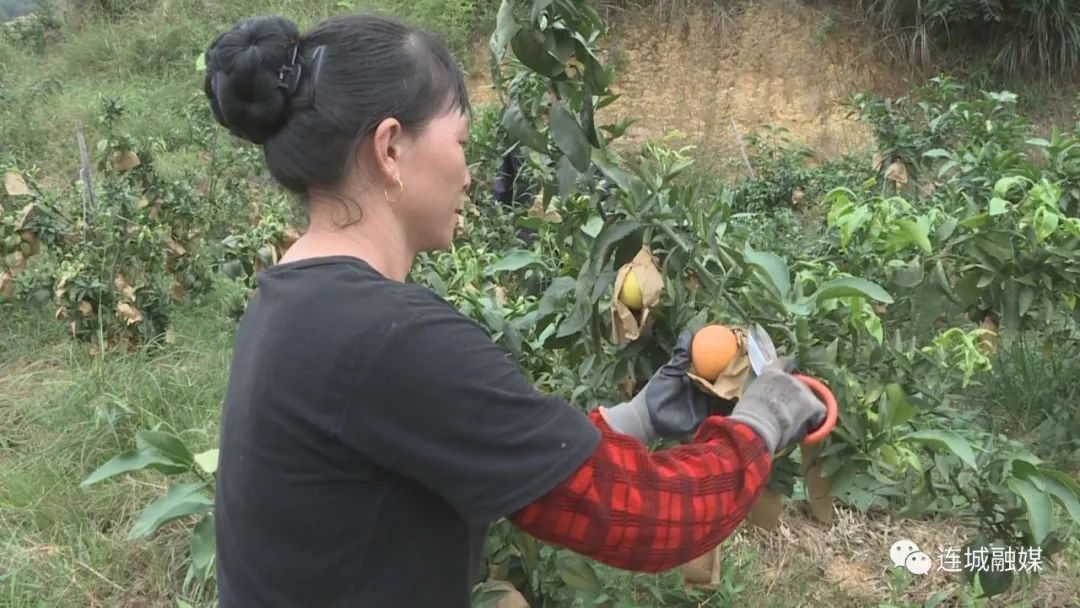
[712,349]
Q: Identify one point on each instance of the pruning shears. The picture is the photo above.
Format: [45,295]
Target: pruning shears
[762,353]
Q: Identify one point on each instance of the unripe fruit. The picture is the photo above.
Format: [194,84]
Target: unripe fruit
[712,349]
[631,292]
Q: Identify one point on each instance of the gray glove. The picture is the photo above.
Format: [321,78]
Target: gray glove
[669,405]
[779,407]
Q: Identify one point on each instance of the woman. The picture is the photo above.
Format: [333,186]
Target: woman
[371,432]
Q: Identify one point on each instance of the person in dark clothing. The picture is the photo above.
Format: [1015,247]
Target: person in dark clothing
[509,186]
[370,432]
[514,190]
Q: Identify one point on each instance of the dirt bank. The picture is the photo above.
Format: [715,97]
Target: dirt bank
[765,62]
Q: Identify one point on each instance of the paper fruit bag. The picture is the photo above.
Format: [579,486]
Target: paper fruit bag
[627,324]
[729,384]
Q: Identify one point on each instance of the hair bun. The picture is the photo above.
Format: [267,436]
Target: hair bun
[241,82]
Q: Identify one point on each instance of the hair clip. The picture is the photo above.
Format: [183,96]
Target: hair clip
[316,63]
[316,68]
[291,68]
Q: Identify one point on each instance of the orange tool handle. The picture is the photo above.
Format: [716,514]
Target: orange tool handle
[818,435]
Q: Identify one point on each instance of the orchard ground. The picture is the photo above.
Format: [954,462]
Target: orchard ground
[64,413]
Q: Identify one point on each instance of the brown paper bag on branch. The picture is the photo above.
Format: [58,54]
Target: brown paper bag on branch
[703,571]
[513,597]
[817,485]
[627,324]
[765,513]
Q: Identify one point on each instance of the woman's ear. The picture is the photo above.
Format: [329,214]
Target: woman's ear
[386,149]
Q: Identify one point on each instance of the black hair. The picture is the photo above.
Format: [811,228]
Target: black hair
[351,72]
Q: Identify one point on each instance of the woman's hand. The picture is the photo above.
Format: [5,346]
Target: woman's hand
[669,405]
[779,407]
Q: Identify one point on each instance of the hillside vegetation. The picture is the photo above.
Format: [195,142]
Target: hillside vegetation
[10,9]
[931,278]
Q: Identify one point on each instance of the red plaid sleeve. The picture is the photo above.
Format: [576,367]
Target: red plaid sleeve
[652,511]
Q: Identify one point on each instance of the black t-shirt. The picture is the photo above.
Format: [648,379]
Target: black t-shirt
[370,435]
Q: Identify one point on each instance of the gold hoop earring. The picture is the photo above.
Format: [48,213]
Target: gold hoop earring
[401,190]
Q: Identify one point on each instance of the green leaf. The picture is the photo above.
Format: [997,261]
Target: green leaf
[909,277]
[998,206]
[168,444]
[604,281]
[566,174]
[520,129]
[936,599]
[946,229]
[608,238]
[626,181]
[560,44]
[588,120]
[579,315]
[1064,489]
[771,270]
[900,409]
[505,29]
[995,582]
[1005,184]
[200,63]
[852,286]
[593,226]
[942,281]
[513,260]
[528,46]
[555,294]
[995,244]
[578,574]
[538,8]
[232,269]
[1027,297]
[1040,511]
[627,249]
[1063,478]
[569,137]
[597,77]
[950,440]
[208,460]
[1010,303]
[532,223]
[916,233]
[135,460]
[1046,222]
[180,500]
[967,288]
[203,543]
[946,167]
[975,221]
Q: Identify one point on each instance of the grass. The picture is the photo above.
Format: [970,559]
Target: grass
[1032,393]
[145,57]
[64,414]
